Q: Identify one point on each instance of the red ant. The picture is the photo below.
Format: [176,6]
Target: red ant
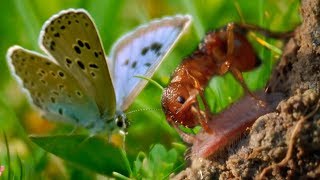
[222,51]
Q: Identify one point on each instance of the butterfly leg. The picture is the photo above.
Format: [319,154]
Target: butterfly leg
[117,139]
[76,127]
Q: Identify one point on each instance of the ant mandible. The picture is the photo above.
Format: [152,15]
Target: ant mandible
[222,51]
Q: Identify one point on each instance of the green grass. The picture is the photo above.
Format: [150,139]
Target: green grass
[21,22]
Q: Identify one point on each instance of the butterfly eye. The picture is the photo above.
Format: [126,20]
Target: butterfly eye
[120,123]
[181,99]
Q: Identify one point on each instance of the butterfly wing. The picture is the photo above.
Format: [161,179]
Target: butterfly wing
[51,88]
[71,38]
[140,53]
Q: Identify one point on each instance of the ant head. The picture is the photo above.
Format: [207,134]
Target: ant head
[177,101]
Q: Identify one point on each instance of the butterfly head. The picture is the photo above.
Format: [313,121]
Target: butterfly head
[121,122]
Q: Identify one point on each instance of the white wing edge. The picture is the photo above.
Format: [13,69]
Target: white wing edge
[17,78]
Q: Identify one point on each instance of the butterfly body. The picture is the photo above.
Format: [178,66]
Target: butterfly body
[73,83]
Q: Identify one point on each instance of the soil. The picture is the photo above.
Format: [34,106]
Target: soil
[284,144]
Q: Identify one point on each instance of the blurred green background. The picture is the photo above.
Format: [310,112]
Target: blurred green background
[21,22]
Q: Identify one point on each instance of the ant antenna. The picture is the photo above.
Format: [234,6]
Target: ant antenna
[151,81]
[237,6]
[254,36]
[145,109]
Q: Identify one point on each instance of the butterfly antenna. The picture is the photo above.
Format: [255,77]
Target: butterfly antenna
[146,109]
[151,81]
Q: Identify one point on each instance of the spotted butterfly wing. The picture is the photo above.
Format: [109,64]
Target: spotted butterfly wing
[53,89]
[72,83]
[140,53]
[71,38]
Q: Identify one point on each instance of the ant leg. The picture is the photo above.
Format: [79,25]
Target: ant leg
[202,119]
[238,75]
[184,136]
[227,59]
[208,114]
[200,92]
[230,39]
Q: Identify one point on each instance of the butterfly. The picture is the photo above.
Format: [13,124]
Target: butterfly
[74,81]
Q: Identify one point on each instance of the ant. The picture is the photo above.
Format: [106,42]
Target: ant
[224,50]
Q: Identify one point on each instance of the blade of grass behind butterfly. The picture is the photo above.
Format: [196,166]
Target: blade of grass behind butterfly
[8,167]
[291,14]
[190,7]
[29,18]
[21,168]
[106,17]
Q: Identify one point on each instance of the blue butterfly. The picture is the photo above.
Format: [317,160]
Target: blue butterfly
[75,83]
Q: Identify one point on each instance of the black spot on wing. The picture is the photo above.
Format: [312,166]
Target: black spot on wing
[126,62]
[53,74]
[81,65]
[56,35]
[52,45]
[77,49]
[95,66]
[80,43]
[134,64]
[147,64]
[156,47]
[79,93]
[144,51]
[61,74]
[87,45]
[68,61]
[60,111]
[96,54]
